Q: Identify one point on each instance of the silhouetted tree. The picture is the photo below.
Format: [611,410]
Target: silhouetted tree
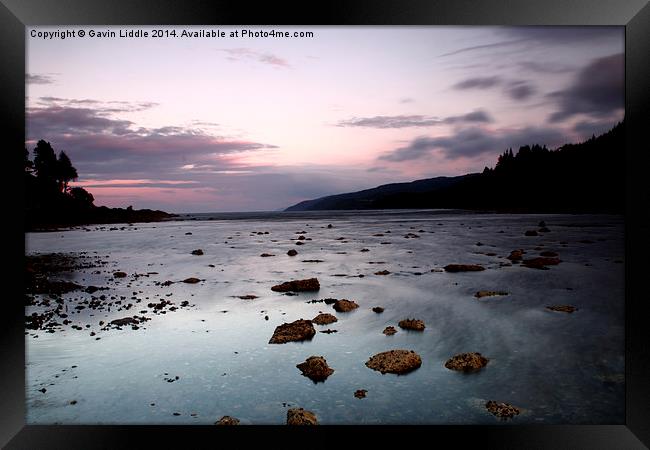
[45,163]
[65,172]
[82,196]
[28,164]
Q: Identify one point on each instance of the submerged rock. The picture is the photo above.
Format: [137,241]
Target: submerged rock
[310,284]
[324,319]
[411,324]
[247,297]
[464,268]
[360,393]
[502,410]
[382,272]
[540,262]
[191,280]
[481,294]
[516,255]
[389,331]
[299,416]
[344,305]
[315,368]
[395,361]
[562,308]
[197,252]
[466,362]
[298,330]
[227,420]
[266,255]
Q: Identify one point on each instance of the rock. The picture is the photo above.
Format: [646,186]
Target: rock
[227,420]
[301,238]
[330,226]
[266,255]
[344,305]
[562,308]
[361,393]
[315,368]
[516,255]
[502,410]
[467,362]
[378,309]
[125,321]
[292,252]
[549,254]
[119,274]
[191,280]
[298,330]
[382,272]
[389,331]
[247,297]
[395,361]
[328,331]
[481,294]
[299,416]
[540,262]
[324,319]
[299,243]
[411,324]
[363,250]
[464,267]
[197,252]
[531,233]
[310,284]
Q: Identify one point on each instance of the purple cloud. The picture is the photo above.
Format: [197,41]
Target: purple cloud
[406,121]
[472,142]
[597,90]
[238,54]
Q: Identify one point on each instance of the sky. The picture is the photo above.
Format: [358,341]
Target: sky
[207,124]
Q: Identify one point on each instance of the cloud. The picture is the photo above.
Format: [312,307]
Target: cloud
[527,37]
[238,54]
[39,79]
[546,67]
[475,141]
[405,121]
[520,90]
[406,100]
[597,90]
[478,83]
[100,143]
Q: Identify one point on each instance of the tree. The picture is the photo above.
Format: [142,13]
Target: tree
[82,196]
[65,172]
[45,163]
[28,164]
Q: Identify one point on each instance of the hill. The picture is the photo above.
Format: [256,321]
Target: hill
[584,177]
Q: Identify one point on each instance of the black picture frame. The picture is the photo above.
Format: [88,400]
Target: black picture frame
[15,15]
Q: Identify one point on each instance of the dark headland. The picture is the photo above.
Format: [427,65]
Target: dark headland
[50,203]
[588,177]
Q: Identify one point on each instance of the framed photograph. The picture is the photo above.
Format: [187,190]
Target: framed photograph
[420,220]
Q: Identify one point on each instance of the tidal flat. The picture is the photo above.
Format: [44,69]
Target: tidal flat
[131,324]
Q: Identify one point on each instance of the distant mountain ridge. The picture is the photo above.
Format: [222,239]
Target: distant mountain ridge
[584,177]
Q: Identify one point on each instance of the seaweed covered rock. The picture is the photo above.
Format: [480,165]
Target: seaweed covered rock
[315,368]
[502,410]
[389,331]
[562,308]
[395,361]
[227,420]
[481,294]
[300,416]
[541,262]
[310,284]
[411,324]
[464,268]
[345,305]
[324,319]
[516,255]
[466,362]
[299,330]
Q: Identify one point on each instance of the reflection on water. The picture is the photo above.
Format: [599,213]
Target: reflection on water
[556,367]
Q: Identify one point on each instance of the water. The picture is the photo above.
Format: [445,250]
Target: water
[556,367]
